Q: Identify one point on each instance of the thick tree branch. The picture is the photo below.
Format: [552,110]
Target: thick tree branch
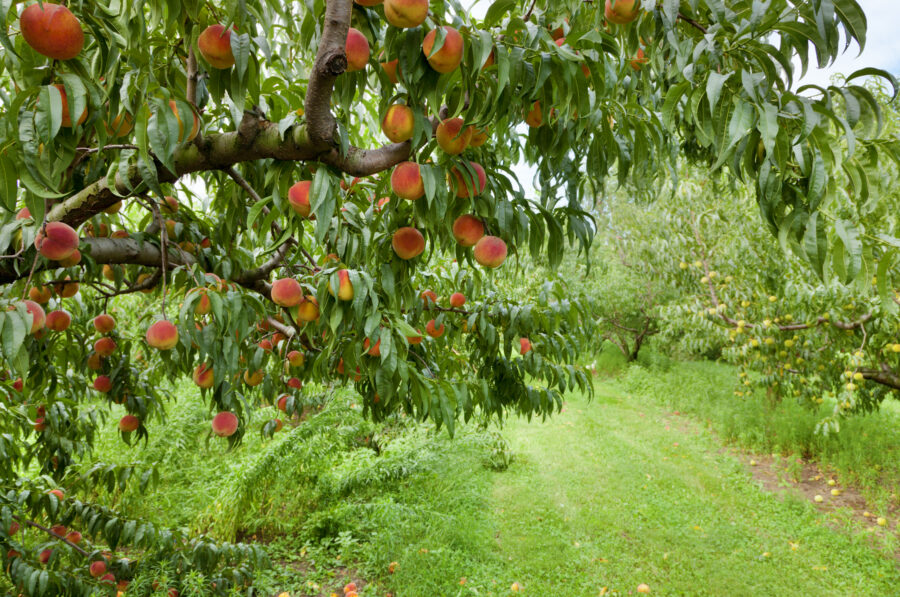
[262,272]
[330,63]
[885,376]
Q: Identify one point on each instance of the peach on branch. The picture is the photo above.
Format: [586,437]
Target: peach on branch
[94,362]
[287,292]
[266,345]
[39,424]
[40,294]
[447,58]
[169,205]
[524,345]
[253,378]
[23,214]
[294,383]
[479,137]
[453,136]
[119,234]
[405,14]
[98,568]
[66,115]
[162,335]
[408,243]
[109,272]
[72,260]
[105,347]
[104,323]
[121,125]
[52,30]
[44,556]
[215,46]
[60,495]
[278,425]
[535,118]
[428,295]
[18,384]
[67,289]
[281,404]
[298,197]
[58,321]
[375,350]
[468,185]
[56,241]
[203,376]
[38,317]
[194,129]
[457,300]
[73,537]
[415,339]
[296,358]
[434,330]
[406,181]
[357,50]
[399,123]
[102,383]
[639,60]
[129,423]
[468,230]
[204,305]
[307,310]
[490,251]
[392,69]
[345,287]
[622,12]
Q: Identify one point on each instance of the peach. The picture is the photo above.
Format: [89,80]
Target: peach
[357,50]
[203,376]
[73,537]
[535,118]
[253,378]
[38,318]
[103,384]
[23,214]
[119,234]
[457,300]
[345,287]
[281,404]
[266,345]
[162,335]
[296,358]
[524,345]
[428,297]
[129,423]
[108,578]
[286,292]
[105,347]
[60,495]
[406,181]
[194,129]
[479,137]
[351,586]
[408,243]
[18,384]
[307,310]
[97,569]
[466,185]
[392,69]
[434,330]
[44,556]
[453,136]
[94,362]
[294,383]
[52,30]
[405,14]
[67,289]
[104,323]
[72,260]
[468,230]
[490,251]
[66,115]
[39,424]
[109,272]
[398,123]
[622,12]
[278,425]
[225,424]
[448,57]
[40,294]
[169,205]
[121,125]
[58,321]
[56,241]
[114,208]
[375,349]
[204,305]
[215,46]
[415,339]
[298,197]
[639,60]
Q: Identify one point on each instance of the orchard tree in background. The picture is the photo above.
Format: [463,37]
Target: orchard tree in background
[316,192]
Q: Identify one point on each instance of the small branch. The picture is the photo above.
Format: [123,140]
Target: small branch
[191,77]
[692,22]
[52,534]
[262,272]
[527,16]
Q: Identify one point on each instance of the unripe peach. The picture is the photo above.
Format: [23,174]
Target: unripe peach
[391,69]
[129,423]
[38,318]
[102,384]
[203,376]
[624,11]
[345,288]
[307,310]
[357,50]
[215,46]
[52,30]
[453,136]
[468,230]
[58,321]
[253,379]
[399,123]
[434,330]
[466,184]
[406,181]
[298,197]
[408,243]
[535,118]
[490,251]
[447,58]
[56,241]
[286,292]
[105,347]
[72,260]
[162,335]
[296,358]
[457,300]
[225,424]
[40,294]
[405,14]
[66,115]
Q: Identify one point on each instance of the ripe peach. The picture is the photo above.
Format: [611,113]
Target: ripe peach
[391,69]
[103,384]
[98,569]
[58,321]
[129,423]
[253,379]
[524,345]
[66,115]
[453,136]
[67,289]
[405,14]
[94,362]
[104,323]
[194,129]
[204,305]
[351,586]
[121,125]
[278,425]
[56,241]
[39,424]
[40,294]
[415,339]
[286,292]
[639,60]
[18,384]
[466,185]
[535,118]
[169,205]
[266,345]
[479,137]
[281,404]
[44,556]
[307,310]
[119,234]
[52,30]
[23,214]
[622,12]
[203,376]
[345,288]
[468,230]
[72,260]
[298,197]
[105,347]
[375,351]
[448,57]
[296,358]
[215,46]
[294,383]
[406,181]
[225,424]
[38,318]
[457,300]
[60,495]
[434,330]
[357,50]
[114,208]
[109,272]
[428,295]
[399,123]
[73,537]
[408,243]
[490,251]
[162,335]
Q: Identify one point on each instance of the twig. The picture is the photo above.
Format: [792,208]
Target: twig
[691,22]
[52,534]
[530,10]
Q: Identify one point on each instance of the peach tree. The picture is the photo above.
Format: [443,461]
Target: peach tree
[310,193]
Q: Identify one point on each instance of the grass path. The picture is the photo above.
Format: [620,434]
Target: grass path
[618,492]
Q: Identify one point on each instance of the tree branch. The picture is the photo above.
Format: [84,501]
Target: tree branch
[331,62]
